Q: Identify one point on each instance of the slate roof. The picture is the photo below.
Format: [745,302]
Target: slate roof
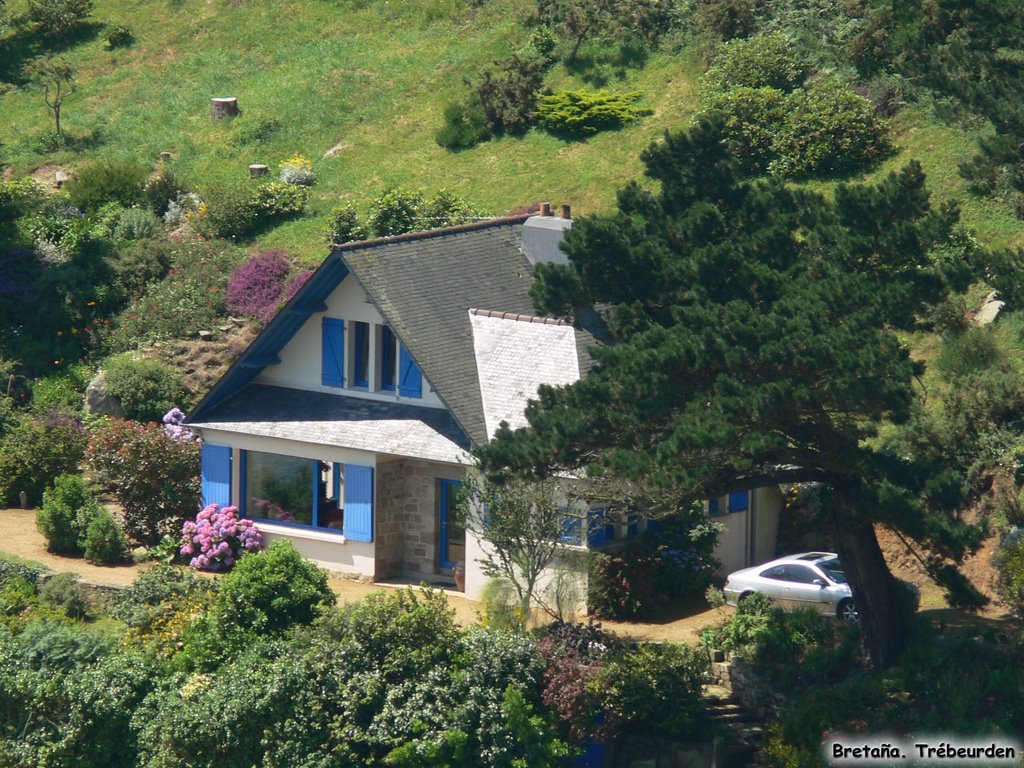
[536,350]
[323,418]
[425,284]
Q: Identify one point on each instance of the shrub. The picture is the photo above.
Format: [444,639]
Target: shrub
[118,36]
[57,18]
[1009,563]
[265,594]
[163,189]
[218,538]
[119,180]
[60,392]
[58,230]
[828,128]
[395,212]
[255,287]
[508,97]
[447,210]
[160,605]
[105,542]
[344,226]
[298,170]
[155,478]
[584,113]
[35,451]
[255,133]
[277,199]
[147,389]
[12,568]
[19,197]
[753,117]
[465,125]
[68,508]
[51,646]
[64,593]
[141,263]
[135,224]
[765,61]
[226,211]
[657,688]
[189,299]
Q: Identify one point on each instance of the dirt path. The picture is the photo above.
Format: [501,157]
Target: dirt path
[18,536]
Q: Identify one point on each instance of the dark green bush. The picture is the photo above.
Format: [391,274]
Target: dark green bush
[147,389]
[265,594]
[828,128]
[163,189]
[446,210]
[765,61]
[65,593]
[105,542]
[971,351]
[508,95]
[35,451]
[395,212]
[1009,562]
[118,36]
[114,180]
[753,118]
[57,18]
[141,263]
[465,126]
[152,590]
[135,224]
[238,210]
[584,113]
[68,508]
[657,688]
[344,226]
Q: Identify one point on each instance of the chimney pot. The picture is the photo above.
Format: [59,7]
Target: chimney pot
[566,212]
[545,209]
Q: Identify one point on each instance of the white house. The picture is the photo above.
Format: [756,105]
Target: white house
[346,425]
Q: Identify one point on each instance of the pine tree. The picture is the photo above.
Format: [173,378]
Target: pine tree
[751,337]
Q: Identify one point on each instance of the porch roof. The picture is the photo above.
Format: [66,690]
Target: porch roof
[334,420]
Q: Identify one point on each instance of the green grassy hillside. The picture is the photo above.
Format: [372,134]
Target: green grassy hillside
[359,87]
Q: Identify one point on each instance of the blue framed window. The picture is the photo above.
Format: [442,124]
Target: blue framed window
[739,501]
[571,529]
[361,355]
[388,360]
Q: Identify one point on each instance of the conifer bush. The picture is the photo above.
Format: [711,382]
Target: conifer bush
[69,506]
[344,225]
[113,180]
[105,542]
[583,113]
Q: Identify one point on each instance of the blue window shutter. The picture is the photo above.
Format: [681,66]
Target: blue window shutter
[713,507]
[596,533]
[361,372]
[410,380]
[738,501]
[387,365]
[358,524]
[572,529]
[333,362]
[215,461]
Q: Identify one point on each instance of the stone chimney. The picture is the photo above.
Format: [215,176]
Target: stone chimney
[542,234]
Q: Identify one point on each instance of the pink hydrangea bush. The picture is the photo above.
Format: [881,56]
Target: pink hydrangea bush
[218,537]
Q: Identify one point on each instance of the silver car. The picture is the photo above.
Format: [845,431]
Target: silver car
[810,580]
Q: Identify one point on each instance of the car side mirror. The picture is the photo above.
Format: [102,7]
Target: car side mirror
[818,582]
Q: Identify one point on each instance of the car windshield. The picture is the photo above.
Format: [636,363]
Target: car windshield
[834,570]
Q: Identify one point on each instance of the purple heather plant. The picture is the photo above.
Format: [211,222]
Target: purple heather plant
[217,538]
[256,286]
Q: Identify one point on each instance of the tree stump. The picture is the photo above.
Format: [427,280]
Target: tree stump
[223,107]
[258,169]
[165,155]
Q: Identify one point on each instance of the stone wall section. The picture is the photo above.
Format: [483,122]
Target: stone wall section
[408,516]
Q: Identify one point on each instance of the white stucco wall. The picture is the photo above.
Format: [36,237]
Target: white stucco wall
[300,359]
[735,545]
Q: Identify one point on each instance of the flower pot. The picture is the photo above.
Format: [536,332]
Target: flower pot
[460,575]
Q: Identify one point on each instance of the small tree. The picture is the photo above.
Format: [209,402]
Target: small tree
[57,79]
[57,18]
[525,528]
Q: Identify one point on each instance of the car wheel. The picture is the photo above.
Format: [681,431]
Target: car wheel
[847,612]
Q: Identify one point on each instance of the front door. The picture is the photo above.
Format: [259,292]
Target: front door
[453,535]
